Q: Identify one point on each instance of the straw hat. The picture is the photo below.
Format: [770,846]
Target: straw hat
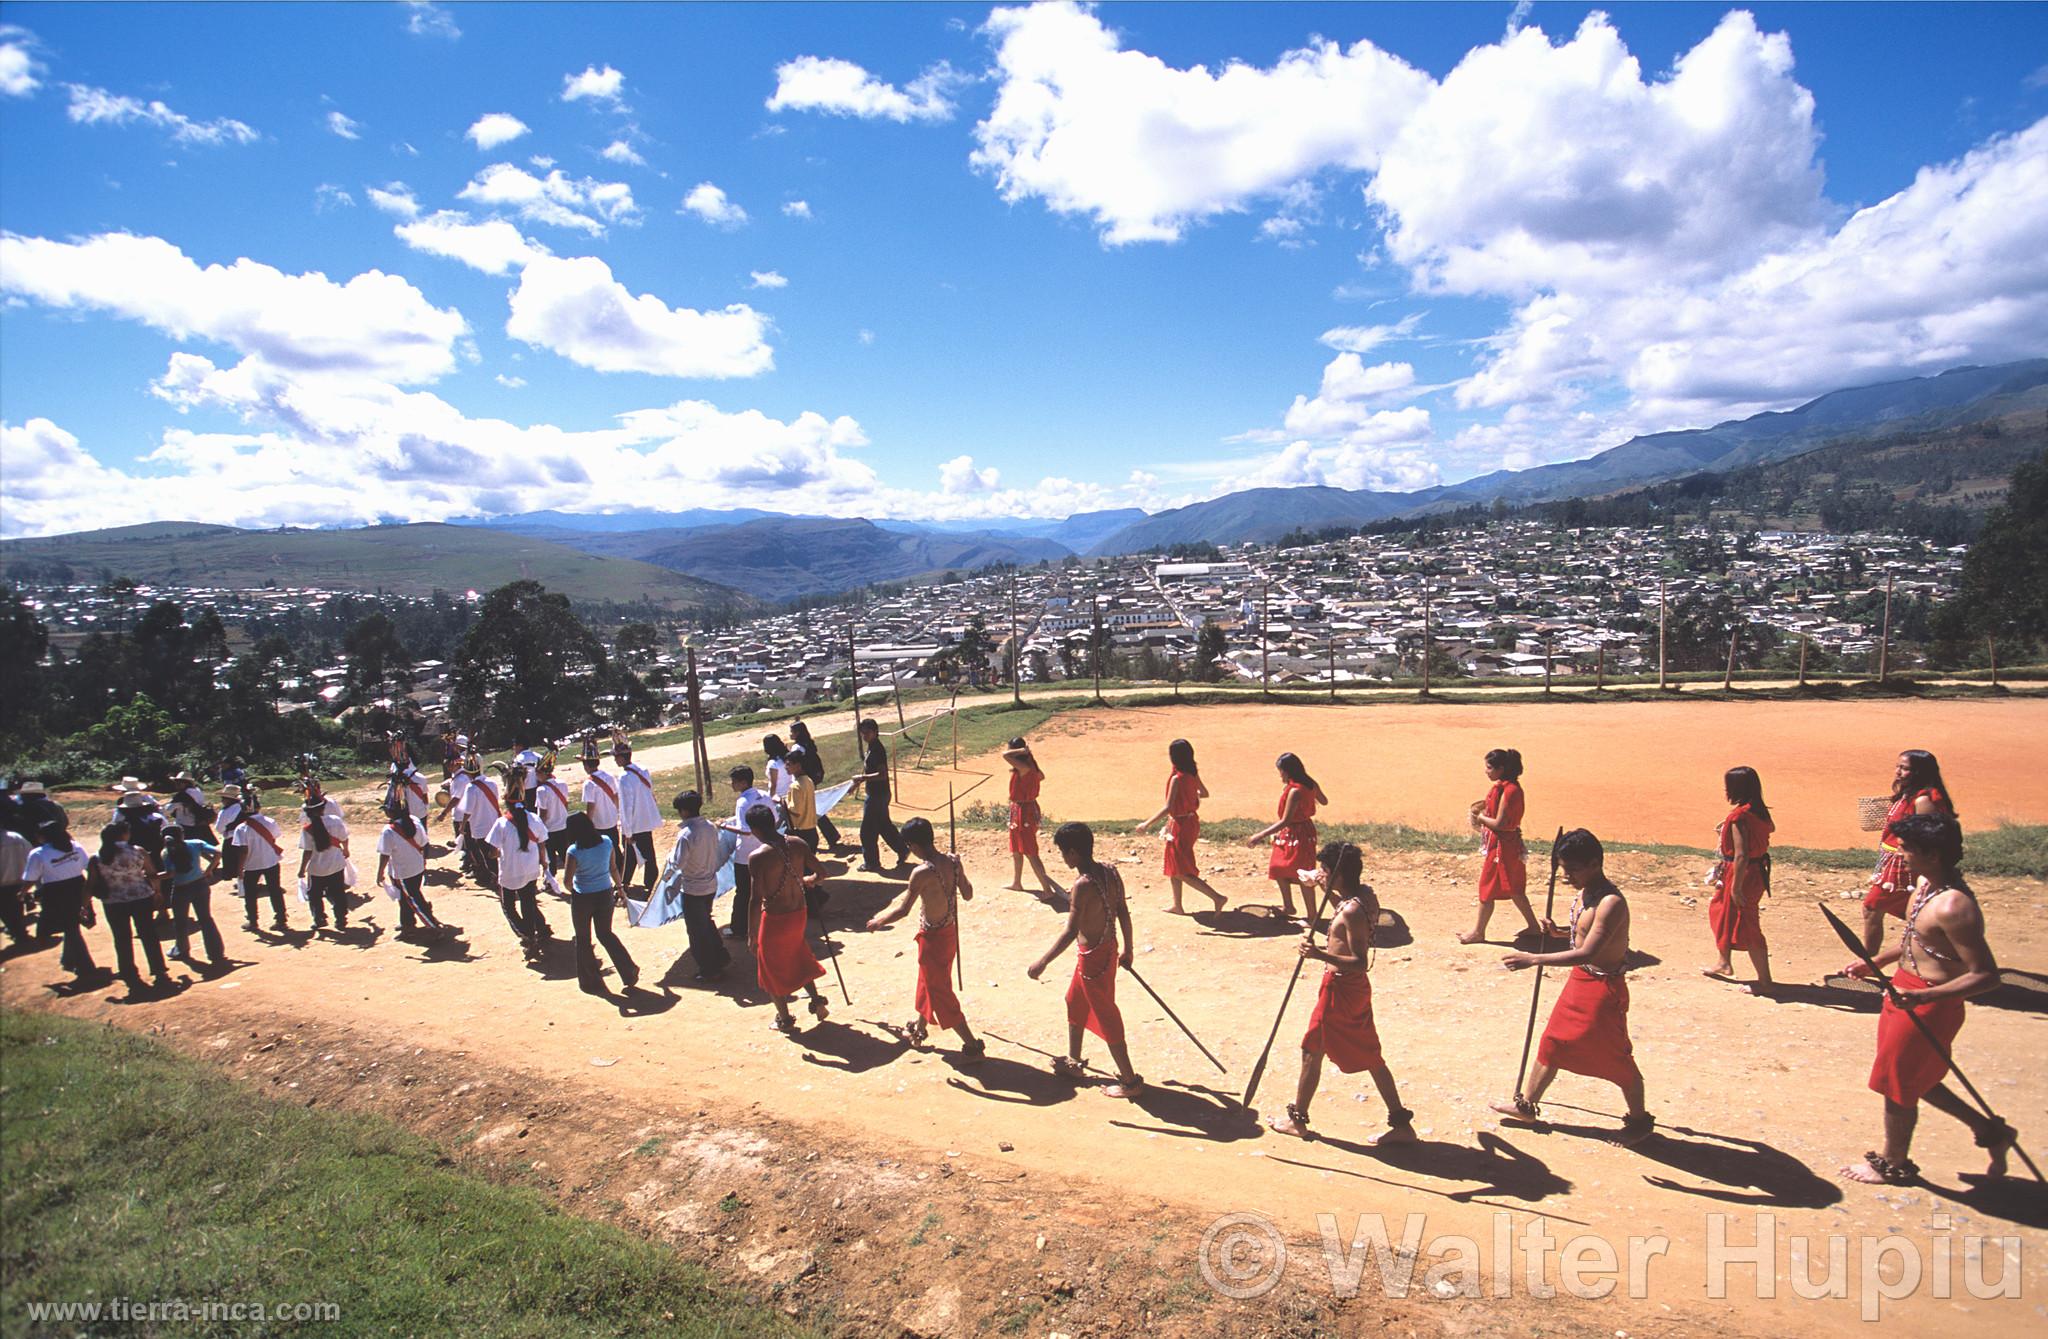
[30,788]
[231,791]
[135,799]
[128,783]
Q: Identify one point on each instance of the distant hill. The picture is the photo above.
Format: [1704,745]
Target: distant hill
[779,558]
[541,522]
[401,559]
[1868,412]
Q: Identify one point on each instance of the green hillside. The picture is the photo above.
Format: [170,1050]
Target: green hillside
[400,559]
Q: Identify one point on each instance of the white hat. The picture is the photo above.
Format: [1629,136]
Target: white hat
[135,799]
[462,739]
[129,783]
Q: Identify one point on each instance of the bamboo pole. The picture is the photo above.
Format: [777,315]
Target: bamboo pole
[1095,643]
[693,700]
[1884,643]
[1600,669]
[1991,648]
[1425,638]
[853,670]
[1546,666]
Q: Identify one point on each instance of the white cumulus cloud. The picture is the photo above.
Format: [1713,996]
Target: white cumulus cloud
[96,106]
[593,85]
[394,198]
[767,279]
[709,203]
[494,128]
[493,245]
[19,67]
[423,18]
[842,88]
[618,151]
[797,209]
[557,199]
[340,123]
[575,307]
[958,476]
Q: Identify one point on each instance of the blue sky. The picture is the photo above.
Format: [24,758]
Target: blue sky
[271,265]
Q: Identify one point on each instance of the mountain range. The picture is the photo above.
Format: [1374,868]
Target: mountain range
[689,559]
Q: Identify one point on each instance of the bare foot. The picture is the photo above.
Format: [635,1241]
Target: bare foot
[1016,887]
[1399,1134]
[1287,1124]
[1219,899]
[1126,1088]
[1511,1113]
[1862,1173]
[1722,969]
[1068,1067]
[1476,937]
[1176,910]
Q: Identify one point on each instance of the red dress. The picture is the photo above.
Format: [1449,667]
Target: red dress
[937,946]
[1024,811]
[783,962]
[1735,913]
[1588,1029]
[1091,995]
[1907,1065]
[1183,825]
[1891,887]
[1504,865]
[1342,1027]
[1294,846]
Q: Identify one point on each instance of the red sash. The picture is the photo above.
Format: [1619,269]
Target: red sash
[252,825]
[418,788]
[556,787]
[609,793]
[407,840]
[489,798]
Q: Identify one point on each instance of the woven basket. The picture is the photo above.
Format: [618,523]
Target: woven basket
[1870,812]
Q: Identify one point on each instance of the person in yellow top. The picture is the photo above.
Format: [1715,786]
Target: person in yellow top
[800,806]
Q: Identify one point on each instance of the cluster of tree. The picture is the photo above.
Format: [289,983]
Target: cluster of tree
[530,669]
[2003,596]
[429,629]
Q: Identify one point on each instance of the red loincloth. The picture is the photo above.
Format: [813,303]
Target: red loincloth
[1504,866]
[1907,1065]
[1181,832]
[1341,1027]
[1294,846]
[1588,1029]
[783,961]
[1091,997]
[936,1002]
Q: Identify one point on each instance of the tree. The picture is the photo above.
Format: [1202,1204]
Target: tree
[140,735]
[1210,645]
[2004,586]
[371,649]
[528,667]
[637,641]
[24,686]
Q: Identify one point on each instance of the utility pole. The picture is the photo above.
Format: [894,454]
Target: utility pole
[853,673]
[1546,666]
[1991,649]
[1600,669]
[1265,642]
[1333,666]
[1425,636]
[1803,640]
[1095,643]
[1728,675]
[1662,643]
[1016,649]
[1884,643]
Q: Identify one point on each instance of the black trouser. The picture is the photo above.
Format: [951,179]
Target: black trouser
[592,913]
[412,902]
[14,911]
[558,846]
[640,844]
[874,823]
[742,897]
[522,910]
[705,945]
[483,861]
[63,913]
[830,829]
[808,836]
[137,918]
[327,887]
[192,902]
[254,879]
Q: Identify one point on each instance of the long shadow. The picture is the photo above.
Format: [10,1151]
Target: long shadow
[444,878]
[94,981]
[362,935]
[852,905]
[1825,996]
[847,1048]
[152,994]
[2012,1198]
[998,1079]
[556,960]
[639,1002]
[1743,1171]
[2024,992]
[293,937]
[1238,923]
[737,983]
[1193,1112]
[448,946]
[1637,960]
[22,948]
[1499,1166]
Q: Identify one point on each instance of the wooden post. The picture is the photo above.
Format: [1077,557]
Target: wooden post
[853,669]
[1991,649]
[1333,667]
[1425,637]
[1016,651]
[1728,675]
[1884,642]
[1095,643]
[1600,669]
[1546,666]
[1265,639]
[896,682]
[1662,643]
[1803,640]
[954,711]
[693,700]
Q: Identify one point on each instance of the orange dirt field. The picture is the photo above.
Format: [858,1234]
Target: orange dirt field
[886,1190]
[1631,771]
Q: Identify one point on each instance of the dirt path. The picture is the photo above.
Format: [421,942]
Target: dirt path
[941,1178]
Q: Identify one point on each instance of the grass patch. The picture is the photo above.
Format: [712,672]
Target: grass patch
[128,1171]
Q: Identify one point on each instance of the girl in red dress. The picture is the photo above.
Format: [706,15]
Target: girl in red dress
[1741,878]
[1917,788]
[1184,795]
[1503,862]
[1294,833]
[1025,779]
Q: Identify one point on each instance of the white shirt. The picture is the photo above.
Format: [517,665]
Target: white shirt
[47,864]
[480,805]
[186,806]
[601,799]
[458,791]
[413,786]
[330,860]
[229,813]
[697,856]
[778,777]
[517,868]
[14,849]
[749,843]
[638,811]
[552,803]
[406,860]
[262,854]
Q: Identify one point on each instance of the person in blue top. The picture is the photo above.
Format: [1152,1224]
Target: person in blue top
[193,865]
[591,869]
